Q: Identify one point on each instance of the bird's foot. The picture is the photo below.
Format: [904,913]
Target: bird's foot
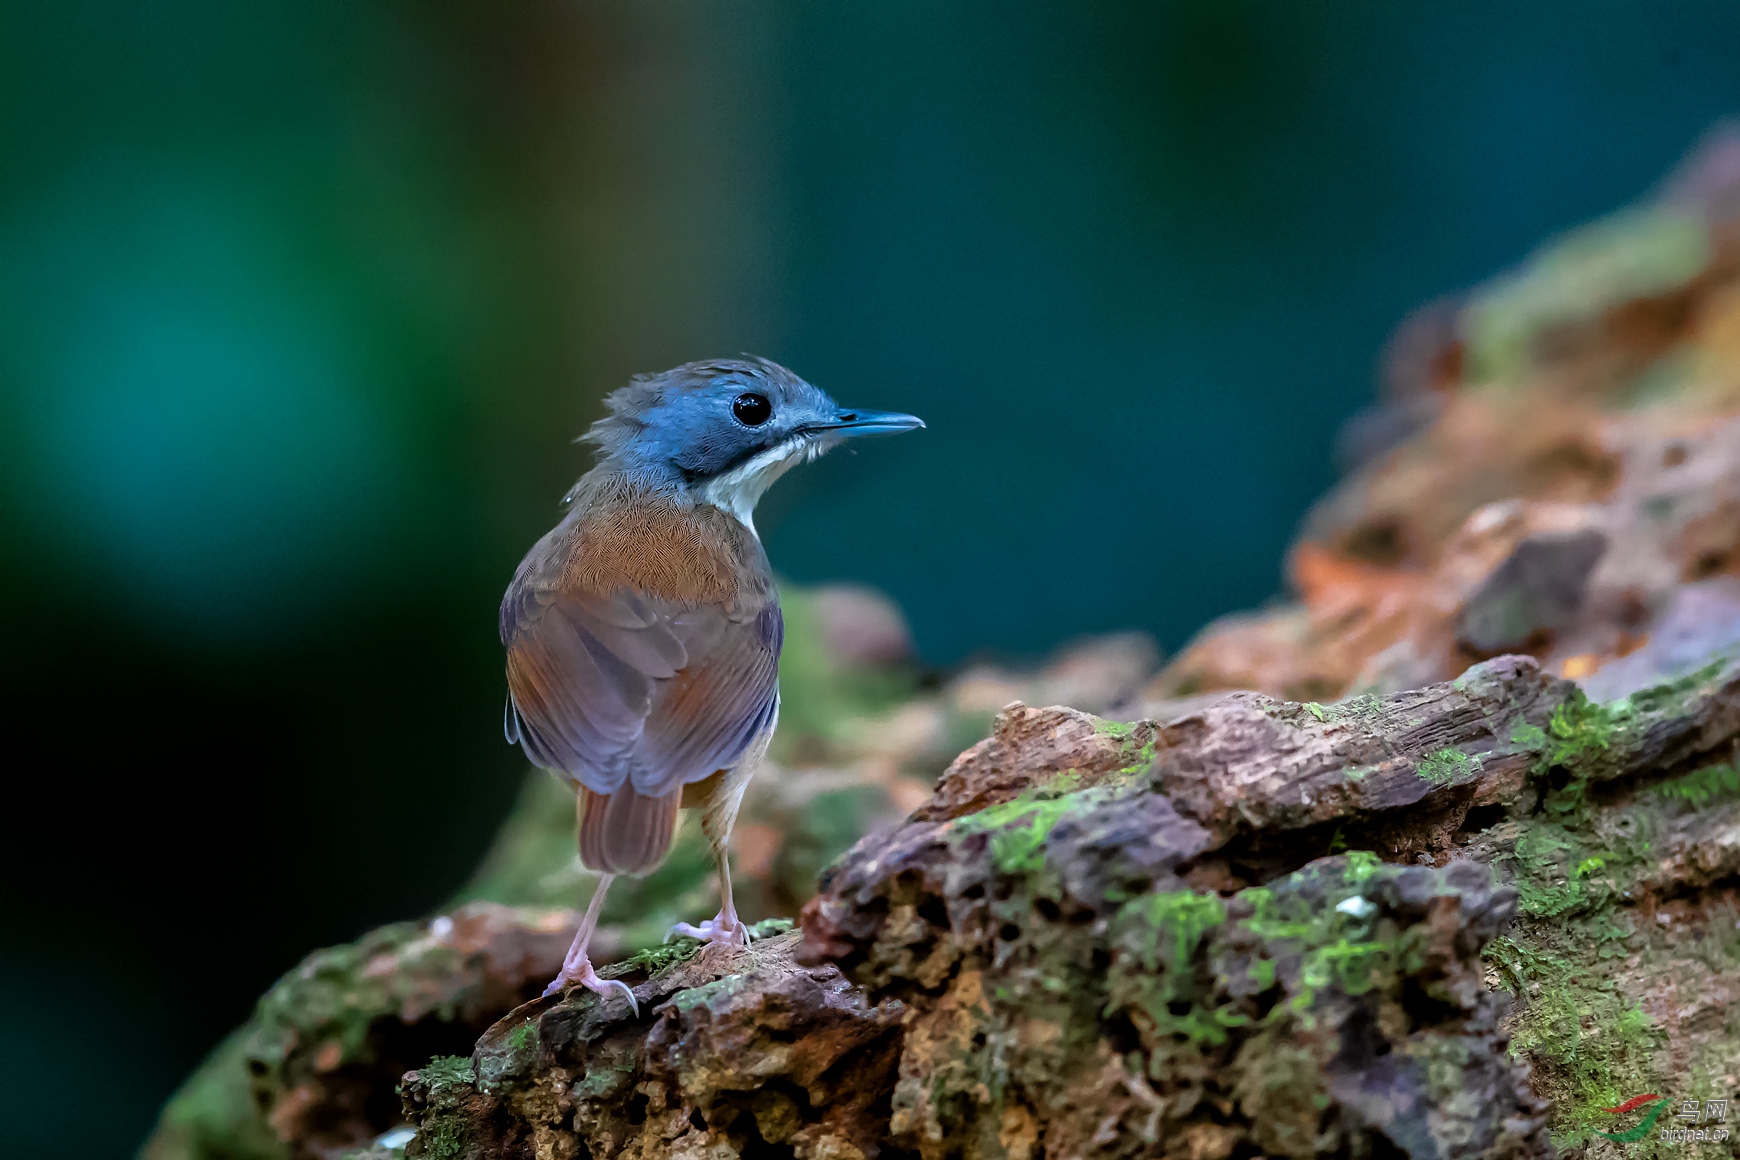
[715,931]
[588,978]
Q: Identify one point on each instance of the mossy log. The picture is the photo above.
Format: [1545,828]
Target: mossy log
[1453,922]
[314,1072]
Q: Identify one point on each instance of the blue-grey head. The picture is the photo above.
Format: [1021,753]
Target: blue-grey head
[723,430]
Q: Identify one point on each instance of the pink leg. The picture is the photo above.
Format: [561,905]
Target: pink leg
[577,968]
[725,927]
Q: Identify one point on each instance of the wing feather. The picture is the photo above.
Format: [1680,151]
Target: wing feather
[712,712]
[628,688]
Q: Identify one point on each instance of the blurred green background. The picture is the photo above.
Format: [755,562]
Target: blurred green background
[302,303]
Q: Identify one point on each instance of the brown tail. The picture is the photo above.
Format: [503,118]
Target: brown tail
[625,833]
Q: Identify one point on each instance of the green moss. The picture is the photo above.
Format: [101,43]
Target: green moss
[1580,732]
[1515,961]
[1545,884]
[1154,971]
[1701,787]
[1444,766]
[1580,727]
[1638,253]
[654,960]
[1573,865]
[1354,952]
[1591,1045]
[447,1139]
[1549,901]
[1019,828]
[1571,859]
[1020,849]
[330,996]
[1577,735]
[1281,1089]
[657,959]
[1266,921]
[1000,815]
[606,1078]
[706,993]
[1670,696]
[1348,963]
[1539,846]
[1177,921]
[660,957]
[523,1040]
[1359,709]
[445,1136]
[1187,976]
[448,1069]
[1142,759]
[1138,757]
[1316,710]
[1361,865]
[1531,738]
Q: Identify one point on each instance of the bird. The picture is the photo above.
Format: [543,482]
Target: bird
[643,631]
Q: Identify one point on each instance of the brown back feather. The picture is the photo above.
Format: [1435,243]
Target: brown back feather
[651,544]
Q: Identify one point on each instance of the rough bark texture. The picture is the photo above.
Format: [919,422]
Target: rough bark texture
[859,746]
[733,1044]
[1065,955]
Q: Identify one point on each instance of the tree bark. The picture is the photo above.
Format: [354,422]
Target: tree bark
[1261,928]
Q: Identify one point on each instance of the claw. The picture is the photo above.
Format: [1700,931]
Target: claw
[588,978]
[618,984]
[714,930]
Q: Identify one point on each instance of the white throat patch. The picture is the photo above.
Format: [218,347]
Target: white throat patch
[738,489]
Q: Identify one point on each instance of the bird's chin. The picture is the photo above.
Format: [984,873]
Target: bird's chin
[738,490]
[817,444]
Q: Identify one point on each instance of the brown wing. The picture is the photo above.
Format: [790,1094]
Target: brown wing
[634,689]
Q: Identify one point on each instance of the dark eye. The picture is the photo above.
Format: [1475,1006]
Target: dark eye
[752,410]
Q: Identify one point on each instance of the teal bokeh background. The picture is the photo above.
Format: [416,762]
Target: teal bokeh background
[302,303]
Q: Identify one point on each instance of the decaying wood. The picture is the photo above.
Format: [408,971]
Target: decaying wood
[1139,941]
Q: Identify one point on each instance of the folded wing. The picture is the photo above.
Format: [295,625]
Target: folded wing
[628,689]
